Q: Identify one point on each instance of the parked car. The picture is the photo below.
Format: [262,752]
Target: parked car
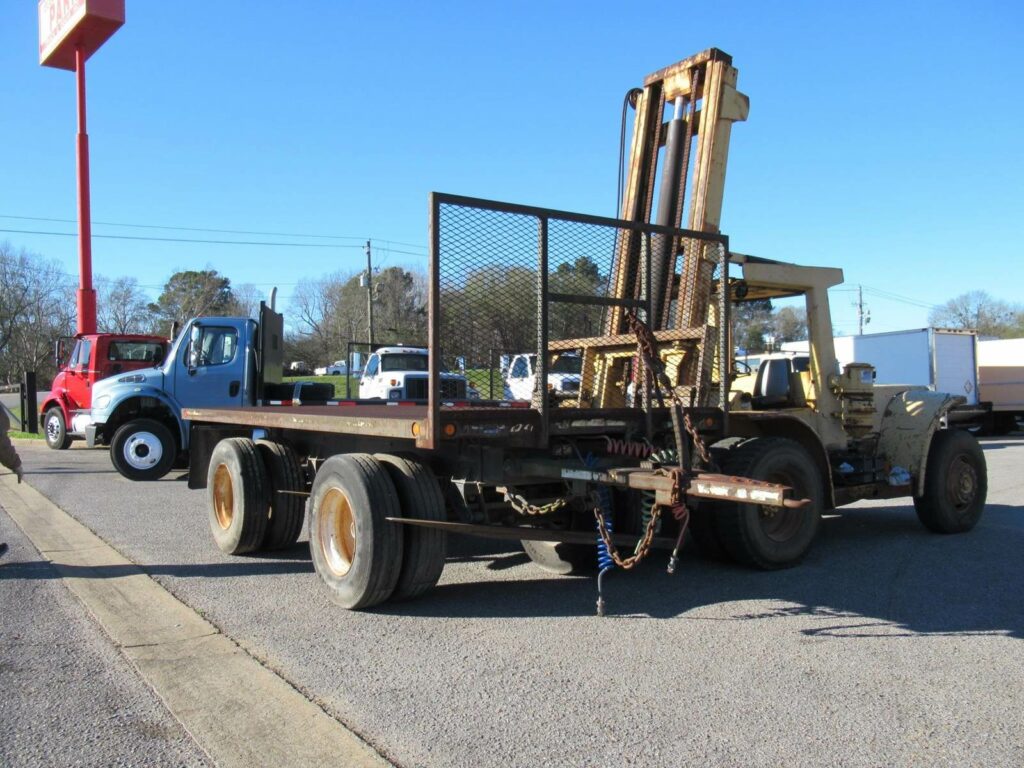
[337,368]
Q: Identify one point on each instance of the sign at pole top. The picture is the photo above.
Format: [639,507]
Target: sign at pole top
[65,25]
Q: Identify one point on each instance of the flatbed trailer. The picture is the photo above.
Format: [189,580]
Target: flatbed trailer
[654,444]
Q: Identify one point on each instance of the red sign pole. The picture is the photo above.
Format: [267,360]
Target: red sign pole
[86,294]
[70,31]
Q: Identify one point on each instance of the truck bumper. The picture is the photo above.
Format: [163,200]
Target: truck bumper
[90,436]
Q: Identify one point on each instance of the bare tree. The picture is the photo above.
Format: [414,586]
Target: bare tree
[37,305]
[978,310]
[247,300]
[121,306]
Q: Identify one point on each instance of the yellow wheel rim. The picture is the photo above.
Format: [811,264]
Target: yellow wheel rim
[223,497]
[337,528]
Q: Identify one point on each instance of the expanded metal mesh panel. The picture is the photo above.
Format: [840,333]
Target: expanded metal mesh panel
[524,303]
[487,278]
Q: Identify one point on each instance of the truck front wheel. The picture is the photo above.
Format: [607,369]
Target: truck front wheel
[56,430]
[356,552]
[955,483]
[143,449]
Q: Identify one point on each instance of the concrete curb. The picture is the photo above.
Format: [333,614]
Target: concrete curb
[237,710]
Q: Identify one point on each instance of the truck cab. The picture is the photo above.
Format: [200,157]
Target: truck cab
[93,356]
[402,373]
[215,362]
[563,376]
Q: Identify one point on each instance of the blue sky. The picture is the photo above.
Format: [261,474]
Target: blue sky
[884,138]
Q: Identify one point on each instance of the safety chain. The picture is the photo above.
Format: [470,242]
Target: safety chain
[642,547]
[647,343]
[524,507]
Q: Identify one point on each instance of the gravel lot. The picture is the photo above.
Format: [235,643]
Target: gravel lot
[889,645]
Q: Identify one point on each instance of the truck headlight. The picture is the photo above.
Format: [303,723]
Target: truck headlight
[102,401]
[395,394]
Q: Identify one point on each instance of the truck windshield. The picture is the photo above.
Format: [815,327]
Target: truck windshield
[398,362]
[566,364]
[136,351]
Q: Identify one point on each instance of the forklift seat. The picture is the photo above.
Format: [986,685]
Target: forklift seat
[773,386]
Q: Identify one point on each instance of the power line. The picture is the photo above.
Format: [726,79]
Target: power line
[206,229]
[186,240]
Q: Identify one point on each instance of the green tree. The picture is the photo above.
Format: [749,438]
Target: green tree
[192,294]
[751,322]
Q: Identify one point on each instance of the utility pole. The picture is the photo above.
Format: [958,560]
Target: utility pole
[863,315]
[369,296]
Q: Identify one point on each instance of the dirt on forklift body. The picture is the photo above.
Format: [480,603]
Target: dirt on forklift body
[654,443]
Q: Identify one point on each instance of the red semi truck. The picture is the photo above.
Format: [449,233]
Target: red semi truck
[94,356]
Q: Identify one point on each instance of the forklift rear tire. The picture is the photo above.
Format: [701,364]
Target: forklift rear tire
[771,537]
[56,430]
[287,483]
[239,498]
[143,449]
[423,549]
[955,483]
[356,552]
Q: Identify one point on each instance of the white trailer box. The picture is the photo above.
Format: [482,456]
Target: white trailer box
[942,359]
[1001,374]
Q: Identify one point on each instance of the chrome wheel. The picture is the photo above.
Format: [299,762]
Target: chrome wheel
[143,450]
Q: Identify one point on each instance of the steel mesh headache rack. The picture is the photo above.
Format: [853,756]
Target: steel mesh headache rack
[533,303]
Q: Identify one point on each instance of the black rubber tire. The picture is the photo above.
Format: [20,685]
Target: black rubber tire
[955,483]
[361,484]
[122,443]
[238,495]
[287,505]
[745,530]
[423,549]
[702,527]
[55,430]
[562,558]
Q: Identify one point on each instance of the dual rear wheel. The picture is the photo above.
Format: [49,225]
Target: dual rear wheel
[255,499]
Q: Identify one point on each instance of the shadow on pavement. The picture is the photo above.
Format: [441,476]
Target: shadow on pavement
[873,572]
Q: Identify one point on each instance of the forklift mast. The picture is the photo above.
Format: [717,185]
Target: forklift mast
[684,116]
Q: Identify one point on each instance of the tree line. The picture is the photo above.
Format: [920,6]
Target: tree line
[486,310]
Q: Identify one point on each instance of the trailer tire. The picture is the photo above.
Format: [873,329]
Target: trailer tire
[287,506]
[239,499]
[563,558]
[143,449]
[771,537]
[56,430]
[955,483]
[356,552]
[423,549]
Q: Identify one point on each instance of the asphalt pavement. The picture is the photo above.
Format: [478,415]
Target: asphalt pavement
[887,646]
[68,698]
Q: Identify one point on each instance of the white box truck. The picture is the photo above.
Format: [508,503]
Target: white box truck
[1001,381]
[942,359]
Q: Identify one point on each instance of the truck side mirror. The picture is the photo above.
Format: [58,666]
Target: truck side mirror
[195,347]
